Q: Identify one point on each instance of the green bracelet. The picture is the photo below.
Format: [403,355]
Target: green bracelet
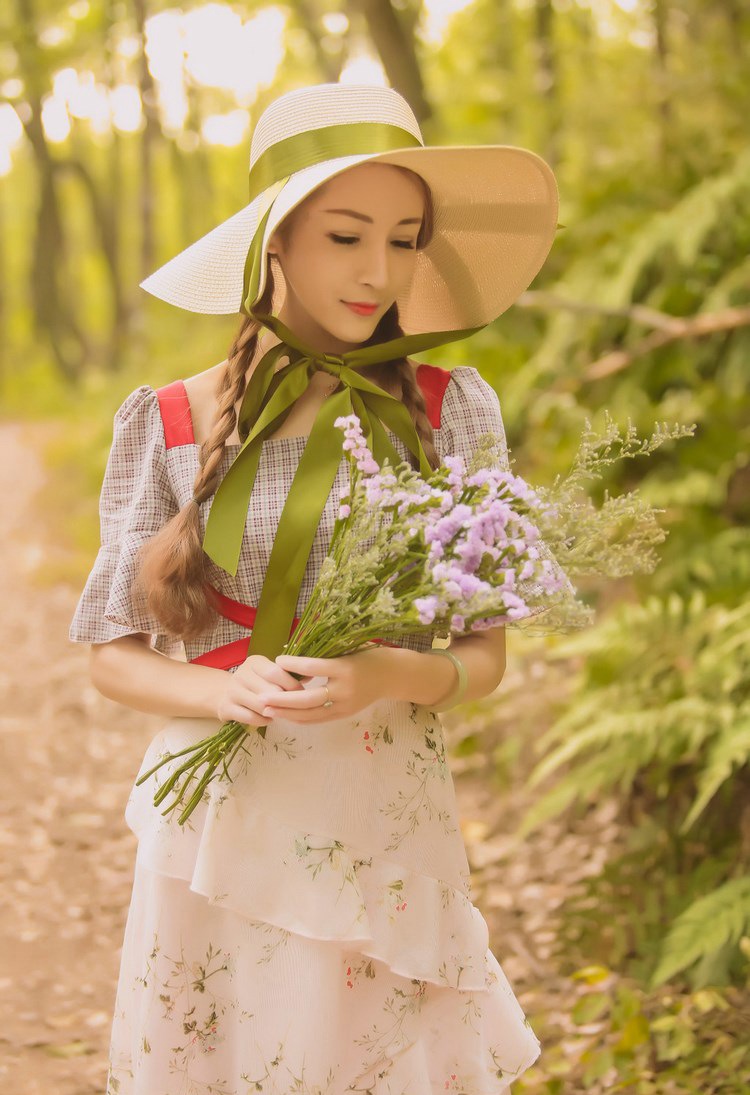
[463,680]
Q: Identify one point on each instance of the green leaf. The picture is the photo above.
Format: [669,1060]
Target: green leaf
[590,1007]
[705,928]
[634,1033]
[591,975]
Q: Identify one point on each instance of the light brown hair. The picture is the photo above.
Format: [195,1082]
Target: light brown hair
[173,570]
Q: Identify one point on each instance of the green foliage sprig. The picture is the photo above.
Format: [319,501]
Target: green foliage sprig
[707,933]
[667,682]
[665,690]
[613,539]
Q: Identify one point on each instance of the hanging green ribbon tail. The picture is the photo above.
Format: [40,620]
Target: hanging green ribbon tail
[271,393]
[269,396]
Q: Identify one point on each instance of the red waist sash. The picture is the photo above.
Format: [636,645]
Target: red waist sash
[235,653]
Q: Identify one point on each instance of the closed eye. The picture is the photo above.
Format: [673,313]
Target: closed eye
[354,239]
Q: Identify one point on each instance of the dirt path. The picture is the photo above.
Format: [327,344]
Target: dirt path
[69,759]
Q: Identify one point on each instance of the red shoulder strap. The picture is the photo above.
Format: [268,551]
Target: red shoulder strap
[433,381]
[175,414]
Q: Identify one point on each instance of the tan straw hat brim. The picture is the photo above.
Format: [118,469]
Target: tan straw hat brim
[496,210]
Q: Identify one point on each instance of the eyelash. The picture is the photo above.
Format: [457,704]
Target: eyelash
[348,240]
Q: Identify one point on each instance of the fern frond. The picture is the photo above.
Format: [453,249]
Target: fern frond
[665,684]
[706,926]
[728,754]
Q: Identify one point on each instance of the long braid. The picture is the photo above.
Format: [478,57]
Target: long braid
[173,569]
[413,398]
[231,388]
[398,378]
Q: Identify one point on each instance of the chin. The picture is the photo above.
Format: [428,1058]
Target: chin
[358,330]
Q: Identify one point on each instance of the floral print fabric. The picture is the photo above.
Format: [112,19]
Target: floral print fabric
[310,927]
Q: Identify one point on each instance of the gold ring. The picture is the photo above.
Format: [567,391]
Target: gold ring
[329,701]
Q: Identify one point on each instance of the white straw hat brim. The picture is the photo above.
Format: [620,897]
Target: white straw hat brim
[496,209]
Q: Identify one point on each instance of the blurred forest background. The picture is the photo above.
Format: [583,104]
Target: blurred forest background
[613,761]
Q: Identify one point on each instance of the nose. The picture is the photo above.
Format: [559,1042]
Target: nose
[375,269]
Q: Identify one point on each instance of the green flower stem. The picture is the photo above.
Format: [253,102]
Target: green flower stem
[210,751]
[198,794]
[172,756]
[226,739]
[188,766]
[240,741]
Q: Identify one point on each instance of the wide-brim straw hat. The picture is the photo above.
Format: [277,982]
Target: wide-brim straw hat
[495,209]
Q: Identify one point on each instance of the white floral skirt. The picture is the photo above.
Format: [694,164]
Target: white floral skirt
[309,929]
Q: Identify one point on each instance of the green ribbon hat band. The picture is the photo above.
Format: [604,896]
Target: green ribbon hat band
[271,393]
[313,146]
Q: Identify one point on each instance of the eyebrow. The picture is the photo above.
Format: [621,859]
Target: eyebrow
[363,217]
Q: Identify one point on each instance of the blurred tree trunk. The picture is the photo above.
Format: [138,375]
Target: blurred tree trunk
[392,35]
[546,81]
[49,289]
[113,211]
[735,12]
[310,20]
[663,106]
[150,134]
[104,220]
[192,168]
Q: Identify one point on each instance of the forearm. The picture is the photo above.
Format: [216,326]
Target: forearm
[130,672]
[425,679]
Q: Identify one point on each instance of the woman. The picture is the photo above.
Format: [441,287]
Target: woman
[310,928]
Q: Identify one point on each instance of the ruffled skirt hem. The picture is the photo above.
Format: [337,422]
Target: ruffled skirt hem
[260,956]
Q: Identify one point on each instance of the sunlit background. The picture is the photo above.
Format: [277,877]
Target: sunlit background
[213,46]
[125,128]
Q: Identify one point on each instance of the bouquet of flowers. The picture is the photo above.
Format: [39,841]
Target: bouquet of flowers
[465,549]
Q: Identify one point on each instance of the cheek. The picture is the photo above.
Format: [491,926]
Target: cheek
[330,273]
[309,274]
[402,270]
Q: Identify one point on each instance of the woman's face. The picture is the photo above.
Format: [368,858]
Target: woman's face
[353,239]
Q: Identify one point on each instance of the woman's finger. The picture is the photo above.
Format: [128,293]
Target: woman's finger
[303,700]
[279,676]
[236,712]
[310,667]
[268,671]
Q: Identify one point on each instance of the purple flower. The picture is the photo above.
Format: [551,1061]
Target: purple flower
[426,608]
[516,606]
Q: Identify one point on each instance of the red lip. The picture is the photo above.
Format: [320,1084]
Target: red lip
[361,309]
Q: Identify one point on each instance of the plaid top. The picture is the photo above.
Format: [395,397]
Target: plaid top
[147,482]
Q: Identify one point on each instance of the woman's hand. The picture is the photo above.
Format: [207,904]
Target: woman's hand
[246,691]
[354,682]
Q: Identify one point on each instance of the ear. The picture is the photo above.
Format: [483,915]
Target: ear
[274,244]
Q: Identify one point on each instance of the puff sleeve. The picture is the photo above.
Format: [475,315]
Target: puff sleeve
[470,408]
[136,500]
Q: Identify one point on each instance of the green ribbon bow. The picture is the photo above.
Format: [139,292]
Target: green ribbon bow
[267,402]
[270,394]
